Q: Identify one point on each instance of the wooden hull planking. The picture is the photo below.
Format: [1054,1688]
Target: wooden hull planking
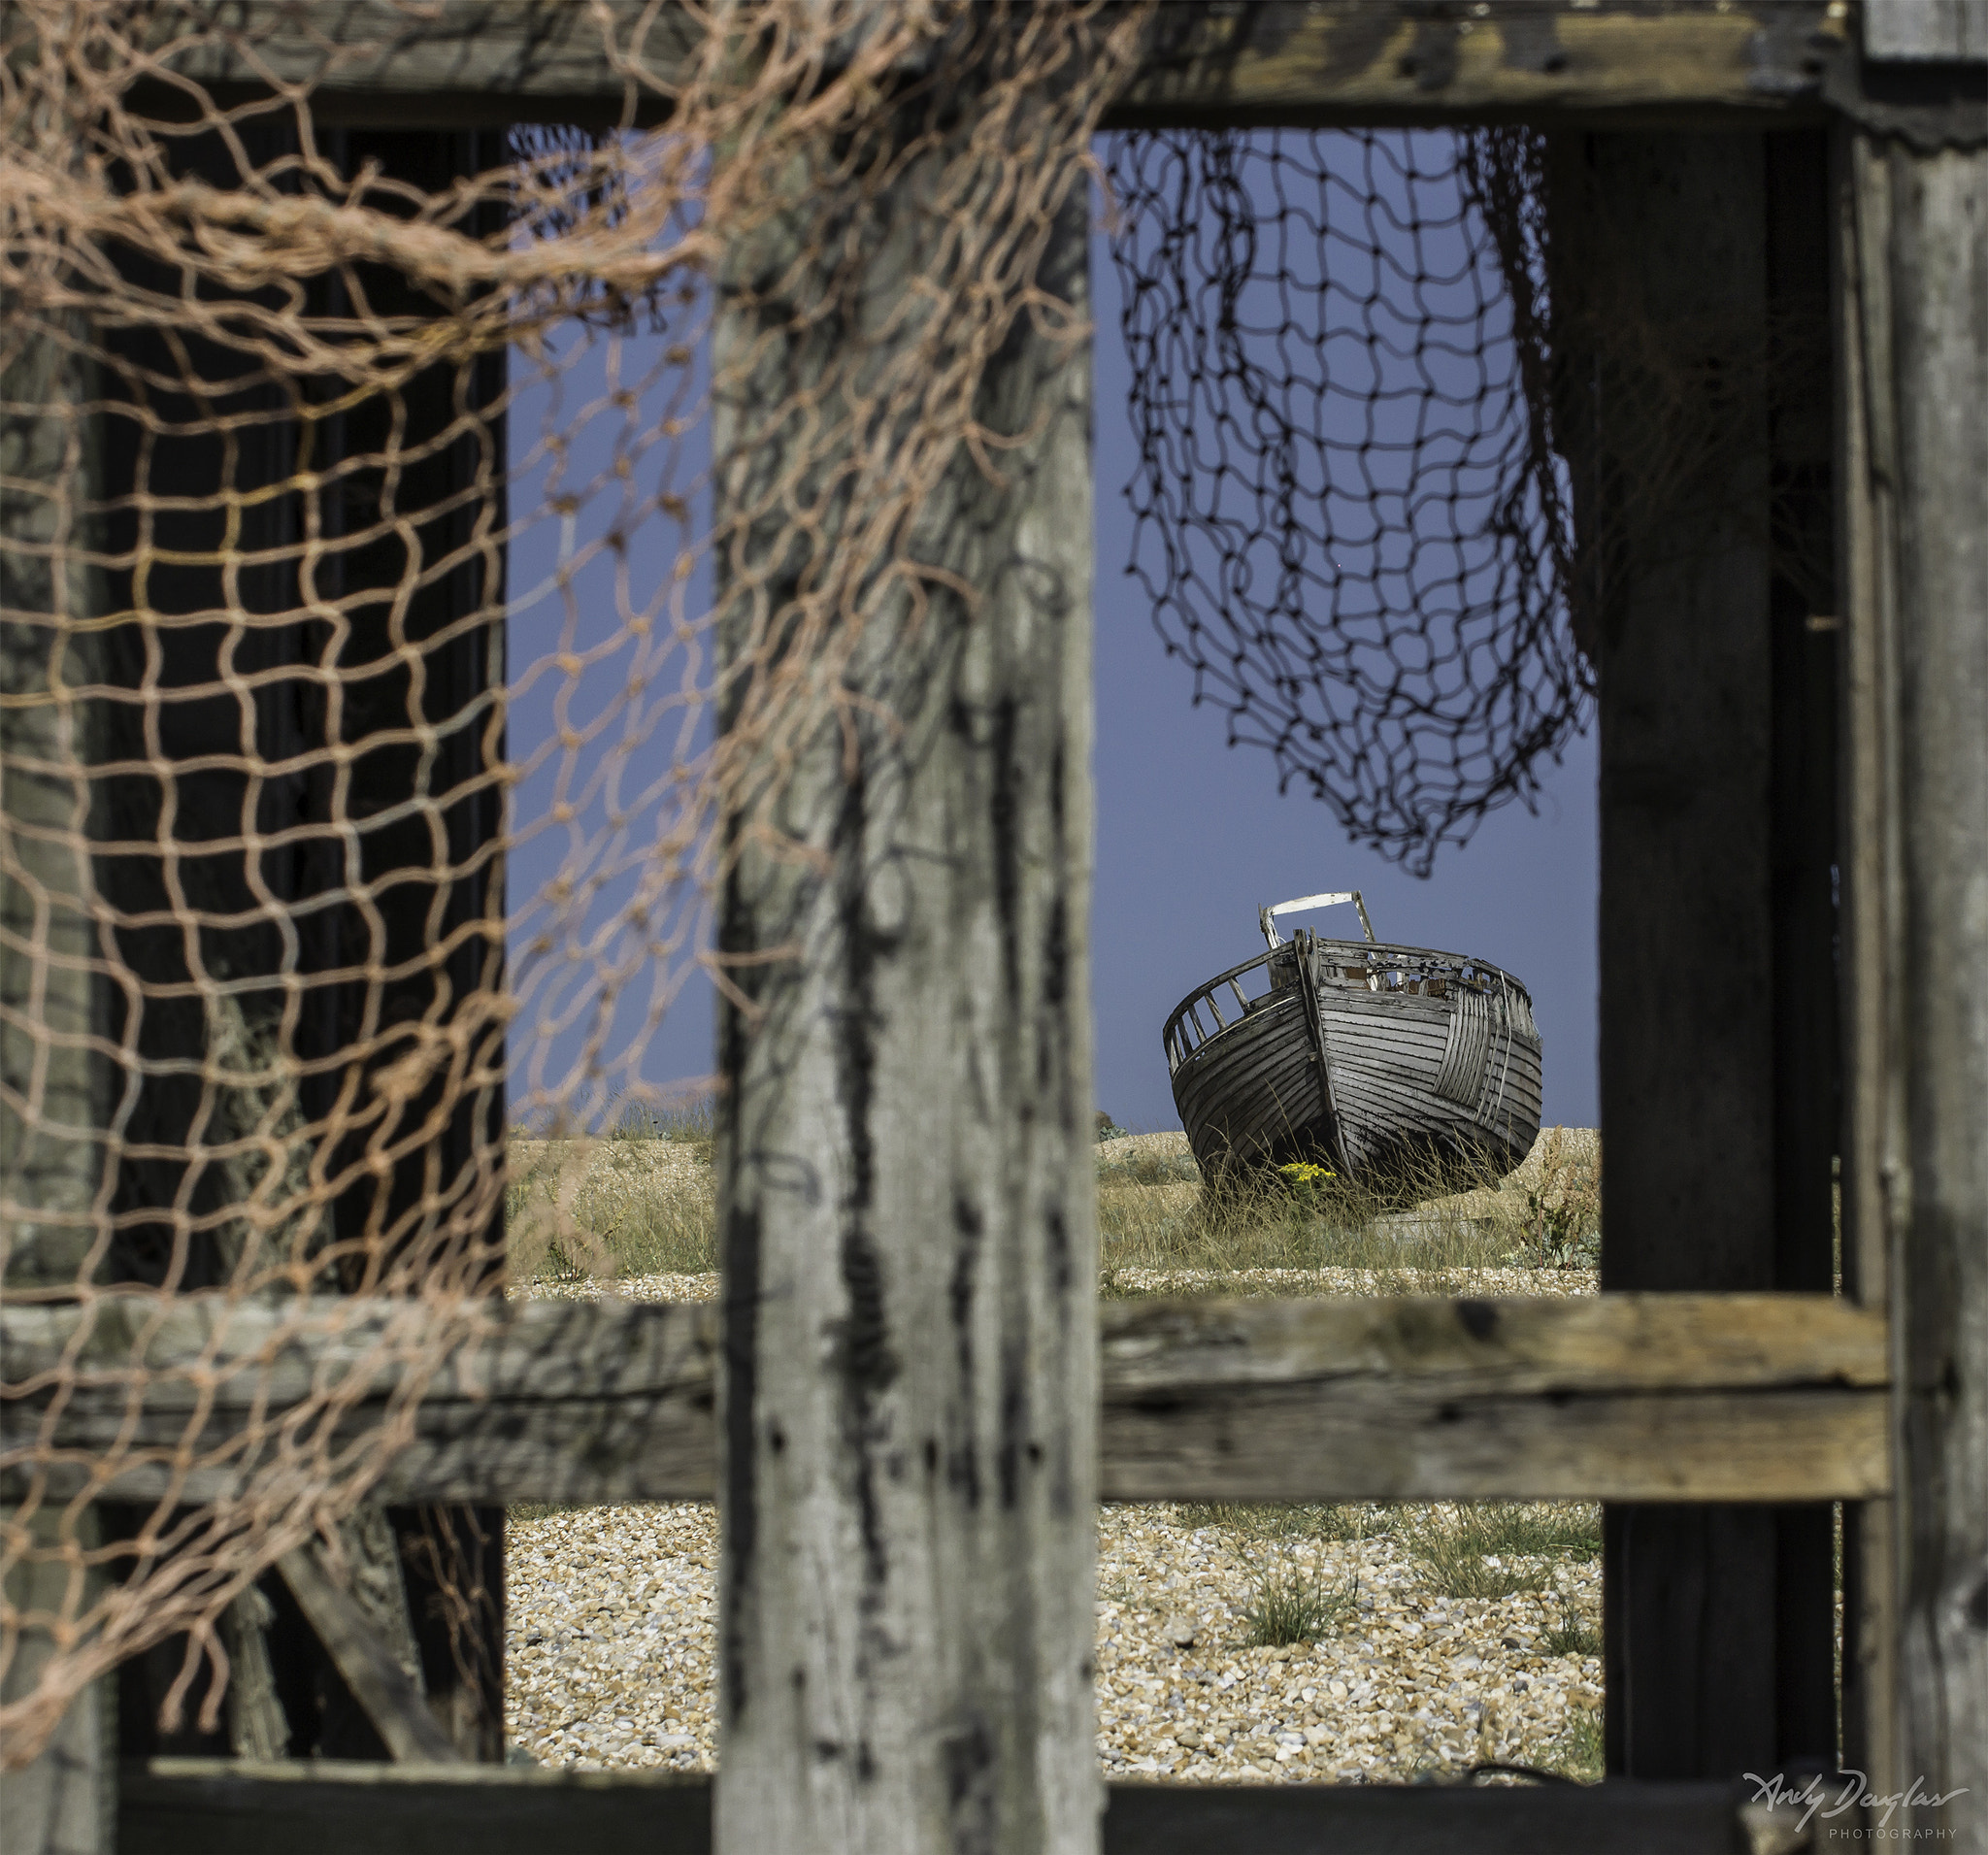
[1431,1061]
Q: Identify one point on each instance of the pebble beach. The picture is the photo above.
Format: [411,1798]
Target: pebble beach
[1415,1665]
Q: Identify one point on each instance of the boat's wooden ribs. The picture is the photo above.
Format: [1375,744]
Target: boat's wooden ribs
[1461,1078]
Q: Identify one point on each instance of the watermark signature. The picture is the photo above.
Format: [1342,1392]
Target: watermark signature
[1850,1790]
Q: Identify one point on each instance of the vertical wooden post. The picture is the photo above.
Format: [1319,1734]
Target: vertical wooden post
[1708,1133]
[50,1082]
[1873,1105]
[904,1154]
[1802,609]
[52,1152]
[1918,510]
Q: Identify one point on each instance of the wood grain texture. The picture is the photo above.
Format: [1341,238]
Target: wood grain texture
[1686,950]
[463,62]
[1349,61]
[52,1085]
[1653,1397]
[906,1181]
[65,1801]
[460,63]
[1871,971]
[545,1400]
[1675,1397]
[379,1683]
[1937,31]
[213,1807]
[1925,368]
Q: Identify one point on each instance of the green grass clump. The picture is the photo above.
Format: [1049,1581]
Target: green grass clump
[1292,1519]
[1289,1605]
[1572,1635]
[1493,1550]
[1578,1752]
[1153,1214]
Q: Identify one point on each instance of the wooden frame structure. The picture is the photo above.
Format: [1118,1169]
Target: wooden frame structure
[1716,1395]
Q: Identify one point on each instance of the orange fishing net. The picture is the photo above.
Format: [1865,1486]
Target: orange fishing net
[389,616]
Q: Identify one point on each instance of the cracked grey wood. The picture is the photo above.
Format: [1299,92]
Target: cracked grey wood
[568,1401]
[904,1157]
[1919,508]
[1745,1397]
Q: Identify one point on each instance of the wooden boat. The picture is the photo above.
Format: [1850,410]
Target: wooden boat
[1359,1055]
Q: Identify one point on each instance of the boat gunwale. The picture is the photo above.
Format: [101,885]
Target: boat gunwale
[1371,952]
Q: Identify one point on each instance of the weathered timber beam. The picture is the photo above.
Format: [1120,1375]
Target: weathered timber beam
[549,1401]
[1620,1397]
[1676,1397]
[379,1683]
[224,1806]
[1351,61]
[447,63]
[462,63]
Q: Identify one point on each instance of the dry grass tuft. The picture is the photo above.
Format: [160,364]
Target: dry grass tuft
[1155,1212]
[1494,1550]
[638,1199]
[634,1200]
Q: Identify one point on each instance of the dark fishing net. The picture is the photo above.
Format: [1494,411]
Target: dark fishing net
[1350,513]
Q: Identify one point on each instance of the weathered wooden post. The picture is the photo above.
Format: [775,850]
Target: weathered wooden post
[1687,966]
[906,1196]
[1914,342]
[51,1094]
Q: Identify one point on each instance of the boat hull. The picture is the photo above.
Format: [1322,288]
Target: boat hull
[1378,1061]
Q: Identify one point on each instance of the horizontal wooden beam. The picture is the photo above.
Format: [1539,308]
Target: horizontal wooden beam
[322,1806]
[544,1400]
[1616,1397]
[1326,62]
[216,1807]
[462,63]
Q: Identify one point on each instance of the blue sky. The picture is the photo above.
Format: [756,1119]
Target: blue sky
[1193,836]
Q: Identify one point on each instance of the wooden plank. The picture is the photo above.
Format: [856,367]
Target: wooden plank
[65,1801]
[1347,61]
[52,1085]
[446,63]
[1678,1396]
[392,1702]
[545,1400]
[1802,847]
[1924,272]
[1295,61]
[905,1179]
[214,1807]
[227,1806]
[1384,1443]
[1613,1344]
[1387,1819]
[1687,1048]
[1873,1153]
[1920,31]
